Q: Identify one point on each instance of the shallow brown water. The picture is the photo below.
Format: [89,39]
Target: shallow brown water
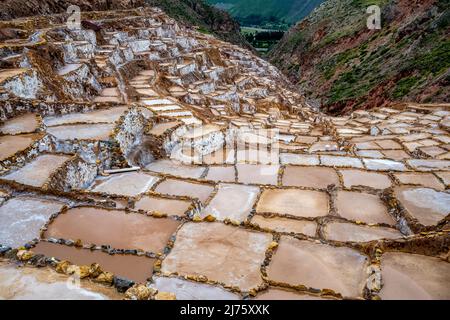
[131,267]
[114,228]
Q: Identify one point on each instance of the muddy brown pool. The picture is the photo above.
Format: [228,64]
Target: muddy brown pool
[128,266]
[113,227]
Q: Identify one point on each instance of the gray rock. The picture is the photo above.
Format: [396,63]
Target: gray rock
[4,249]
[122,284]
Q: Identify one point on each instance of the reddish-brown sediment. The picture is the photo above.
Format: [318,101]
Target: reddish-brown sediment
[312,177]
[135,268]
[118,229]
[171,207]
[219,252]
[319,266]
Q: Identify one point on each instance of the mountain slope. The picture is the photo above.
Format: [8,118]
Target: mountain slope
[289,10]
[339,63]
[193,12]
[208,18]
[11,9]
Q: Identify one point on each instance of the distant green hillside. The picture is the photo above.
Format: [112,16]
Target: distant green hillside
[248,11]
[205,16]
[341,65]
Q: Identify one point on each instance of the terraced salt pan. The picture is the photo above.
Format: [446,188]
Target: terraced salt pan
[338,161]
[176,168]
[310,177]
[45,284]
[221,156]
[128,184]
[38,171]
[257,156]
[299,159]
[300,203]
[223,174]
[319,266]
[323,146]
[26,123]
[422,179]
[131,267]
[22,218]
[429,165]
[176,114]
[112,227]
[370,154]
[166,108]
[354,178]
[188,290]
[220,252]
[182,188]
[110,92]
[99,132]
[426,205]
[362,207]
[187,121]
[388,144]
[397,155]
[98,116]
[286,225]
[114,99]
[10,145]
[170,207]
[146,92]
[68,68]
[199,132]
[157,102]
[384,165]
[243,199]
[414,277]
[340,231]
[257,174]
[283,294]
[445,177]
[160,128]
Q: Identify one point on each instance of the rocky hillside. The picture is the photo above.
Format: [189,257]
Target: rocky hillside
[11,9]
[206,17]
[193,12]
[290,11]
[342,65]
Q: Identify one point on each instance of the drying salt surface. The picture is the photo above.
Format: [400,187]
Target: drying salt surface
[45,284]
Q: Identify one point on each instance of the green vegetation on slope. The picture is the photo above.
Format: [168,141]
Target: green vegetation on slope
[268,13]
[343,65]
[262,40]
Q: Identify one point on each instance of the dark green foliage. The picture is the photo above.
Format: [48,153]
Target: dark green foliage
[264,12]
[209,19]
